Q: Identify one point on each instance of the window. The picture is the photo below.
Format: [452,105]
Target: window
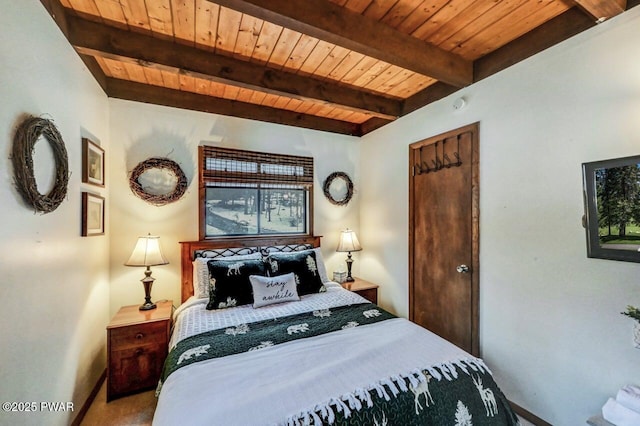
[254,193]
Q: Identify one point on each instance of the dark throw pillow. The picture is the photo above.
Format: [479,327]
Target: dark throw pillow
[303,265]
[229,283]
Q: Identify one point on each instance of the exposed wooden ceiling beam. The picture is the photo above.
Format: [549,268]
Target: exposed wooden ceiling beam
[95,69]
[90,38]
[57,12]
[372,124]
[602,10]
[550,33]
[433,93]
[59,15]
[352,31]
[335,24]
[139,92]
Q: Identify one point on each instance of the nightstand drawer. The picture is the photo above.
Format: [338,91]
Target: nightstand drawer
[138,335]
[136,367]
[371,294]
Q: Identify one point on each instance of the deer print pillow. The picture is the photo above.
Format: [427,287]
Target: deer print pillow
[229,283]
[201,272]
[304,266]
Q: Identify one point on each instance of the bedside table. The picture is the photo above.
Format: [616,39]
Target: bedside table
[364,288]
[137,345]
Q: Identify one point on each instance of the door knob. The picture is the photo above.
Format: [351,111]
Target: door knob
[462,269]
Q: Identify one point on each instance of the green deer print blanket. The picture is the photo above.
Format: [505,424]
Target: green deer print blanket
[459,393]
[263,334]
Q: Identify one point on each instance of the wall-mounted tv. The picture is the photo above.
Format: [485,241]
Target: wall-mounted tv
[612,204]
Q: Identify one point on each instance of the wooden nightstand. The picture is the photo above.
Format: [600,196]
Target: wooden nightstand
[364,288]
[137,345]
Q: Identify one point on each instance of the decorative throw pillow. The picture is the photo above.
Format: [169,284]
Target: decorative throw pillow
[270,290]
[229,283]
[303,265]
[201,272]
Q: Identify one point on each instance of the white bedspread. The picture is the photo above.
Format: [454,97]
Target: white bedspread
[269,386]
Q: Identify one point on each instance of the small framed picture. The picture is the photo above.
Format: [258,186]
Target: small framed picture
[92,214]
[92,163]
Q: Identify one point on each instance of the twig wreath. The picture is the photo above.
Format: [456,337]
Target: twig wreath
[326,187]
[24,142]
[158,163]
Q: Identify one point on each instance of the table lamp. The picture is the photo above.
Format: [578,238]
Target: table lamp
[147,253]
[348,243]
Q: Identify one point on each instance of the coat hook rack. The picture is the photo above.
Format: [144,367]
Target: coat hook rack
[437,162]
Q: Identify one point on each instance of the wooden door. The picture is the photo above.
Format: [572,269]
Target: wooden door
[444,236]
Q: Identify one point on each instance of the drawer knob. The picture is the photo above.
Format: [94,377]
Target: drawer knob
[139,351]
[139,336]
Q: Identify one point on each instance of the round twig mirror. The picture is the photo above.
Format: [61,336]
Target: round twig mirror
[27,134]
[338,188]
[158,181]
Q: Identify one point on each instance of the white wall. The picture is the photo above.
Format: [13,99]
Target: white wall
[141,131]
[54,283]
[550,324]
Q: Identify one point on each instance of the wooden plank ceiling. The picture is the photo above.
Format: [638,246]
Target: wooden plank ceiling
[344,66]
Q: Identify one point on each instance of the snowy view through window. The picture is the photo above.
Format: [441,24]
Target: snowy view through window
[253,210]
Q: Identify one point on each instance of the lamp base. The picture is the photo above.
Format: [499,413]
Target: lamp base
[147,282]
[147,306]
[349,263]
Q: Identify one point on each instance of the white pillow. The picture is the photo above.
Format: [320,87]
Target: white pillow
[201,272]
[322,270]
[271,290]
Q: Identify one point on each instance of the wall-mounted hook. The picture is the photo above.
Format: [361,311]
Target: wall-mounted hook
[447,161]
[458,163]
[437,163]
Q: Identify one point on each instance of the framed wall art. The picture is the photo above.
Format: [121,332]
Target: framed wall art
[92,214]
[92,163]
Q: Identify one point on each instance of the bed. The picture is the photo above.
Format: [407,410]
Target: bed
[322,356]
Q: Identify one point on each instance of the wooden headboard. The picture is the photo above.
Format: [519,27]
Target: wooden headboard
[189,251]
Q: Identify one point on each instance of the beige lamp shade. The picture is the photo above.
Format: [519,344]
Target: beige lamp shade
[147,253]
[348,241]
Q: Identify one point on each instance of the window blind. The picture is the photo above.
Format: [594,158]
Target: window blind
[224,165]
